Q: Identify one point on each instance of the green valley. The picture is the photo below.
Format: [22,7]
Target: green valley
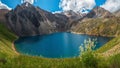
[28,20]
[10,59]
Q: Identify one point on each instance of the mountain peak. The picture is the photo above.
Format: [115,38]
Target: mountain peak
[24,5]
[99,12]
[27,20]
[27,4]
[98,8]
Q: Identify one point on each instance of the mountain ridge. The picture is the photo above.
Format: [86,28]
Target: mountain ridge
[28,20]
[99,12]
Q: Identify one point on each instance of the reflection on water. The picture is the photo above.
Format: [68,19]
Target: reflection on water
[57,45]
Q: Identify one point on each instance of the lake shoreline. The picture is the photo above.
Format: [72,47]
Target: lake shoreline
[13,47]
[93,34]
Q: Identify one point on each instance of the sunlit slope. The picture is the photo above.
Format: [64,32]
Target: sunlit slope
[109,45]
[99,26]
[111,48]
[6,42]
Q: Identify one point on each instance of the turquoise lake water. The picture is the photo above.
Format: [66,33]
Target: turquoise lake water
[56,45]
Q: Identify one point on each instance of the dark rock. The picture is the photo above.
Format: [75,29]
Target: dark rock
[27,20]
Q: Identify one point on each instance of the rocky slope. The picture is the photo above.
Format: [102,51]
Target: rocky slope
[95,13]
[27,20]
[73,17]
[100,27]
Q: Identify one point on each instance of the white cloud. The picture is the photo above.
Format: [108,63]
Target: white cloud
[112,5]
[77,5]
[30,1]
[4,6]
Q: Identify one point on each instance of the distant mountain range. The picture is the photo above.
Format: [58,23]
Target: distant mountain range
[28,20]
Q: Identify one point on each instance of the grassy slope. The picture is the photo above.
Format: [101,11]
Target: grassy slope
[6,41]
[109,45]
[20,61]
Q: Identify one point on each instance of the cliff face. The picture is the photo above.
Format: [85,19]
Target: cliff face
[27,20]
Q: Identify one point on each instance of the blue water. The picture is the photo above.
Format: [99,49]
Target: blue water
[56,45]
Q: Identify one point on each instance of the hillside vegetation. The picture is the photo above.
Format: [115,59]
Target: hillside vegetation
[109,45]
[6,42]
[10,59]
[101,26]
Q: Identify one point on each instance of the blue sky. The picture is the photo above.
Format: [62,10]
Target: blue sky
[49,5]
[100,2]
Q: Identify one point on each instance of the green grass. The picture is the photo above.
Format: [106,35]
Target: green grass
[6,42]
[114,61]
[35,62]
